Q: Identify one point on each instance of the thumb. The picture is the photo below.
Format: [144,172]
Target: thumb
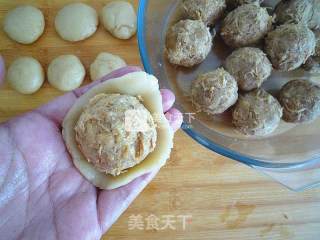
[112,203]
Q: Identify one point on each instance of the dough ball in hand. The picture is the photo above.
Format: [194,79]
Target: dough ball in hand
[209,11]
[66,72]
[105,137]
[214,92]
[256,113]
[24,24]
[246,25]
[300,100]
[76,22]
[25,75]
[188,43]
[104,64]
[120,19]
[249,66]
[299,11]
[289,46]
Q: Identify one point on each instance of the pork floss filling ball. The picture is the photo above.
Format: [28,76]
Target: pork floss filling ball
[108,140]
[236,3]
[299,11]
[214,92]
[289,46]
[246,25]
[300,100]
[209,11]
[249,66]
[188,43]
[257,113]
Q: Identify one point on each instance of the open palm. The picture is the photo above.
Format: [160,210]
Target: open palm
[42,195]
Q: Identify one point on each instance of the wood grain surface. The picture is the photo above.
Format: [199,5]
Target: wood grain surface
[224,199]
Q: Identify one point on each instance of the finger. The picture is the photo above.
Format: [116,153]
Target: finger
[115,74]
[2,70]
[168,99]
[175,118]
[58,108]
[112,203]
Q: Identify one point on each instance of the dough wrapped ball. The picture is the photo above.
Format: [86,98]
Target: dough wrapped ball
[120,19]
[209,11]
[256,113]
[76,22]
[104,64]
[249,66]
[66,72]
[231,4]
[300,100]
[188,43]
[25,75]
[246,25]
[214,92]
[103,135]
[24,24]
[299,11]
[289,46]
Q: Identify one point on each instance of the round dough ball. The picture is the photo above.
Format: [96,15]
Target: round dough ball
[249,66]
[256,113]
[66,72]
[120,19]
[209,11]
[25,75]
[236,3]
[76,22]
[300,100]
[299,11]
[105,139]
[214,92]
[188,43]
[289,46]
[246,25]
[24,24]
[104,64]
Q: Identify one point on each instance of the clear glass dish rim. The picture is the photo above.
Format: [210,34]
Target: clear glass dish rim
[193,134]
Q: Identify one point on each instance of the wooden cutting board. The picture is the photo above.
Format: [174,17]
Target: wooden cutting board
[220,198]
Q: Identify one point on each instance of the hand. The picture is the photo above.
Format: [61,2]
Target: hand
[2,70]
[42,195]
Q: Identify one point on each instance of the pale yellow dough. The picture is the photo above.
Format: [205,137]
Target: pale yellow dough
[104,64]
[24,24]
[25,75]
[76,22]
[135,84]
[66,72]
[120,19]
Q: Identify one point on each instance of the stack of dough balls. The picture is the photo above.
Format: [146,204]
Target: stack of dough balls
[24,24]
